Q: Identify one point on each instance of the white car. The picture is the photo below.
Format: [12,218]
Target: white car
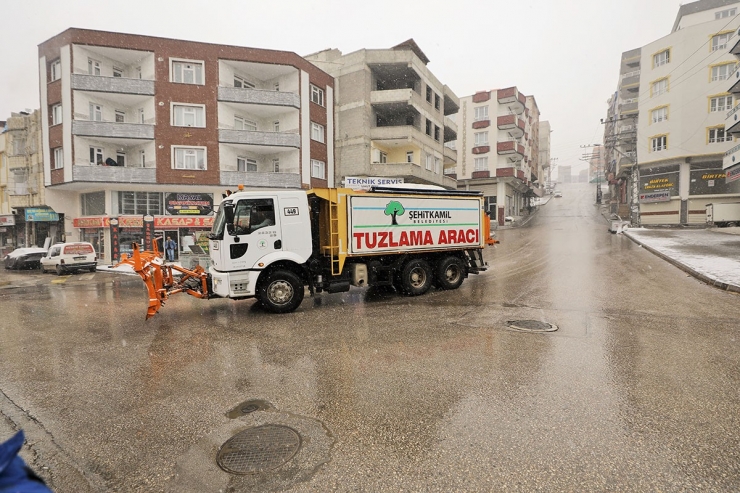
[558,194]
[70,257]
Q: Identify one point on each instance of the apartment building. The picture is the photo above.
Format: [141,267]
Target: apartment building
[731,159]
[25,219]
[392,117]
[139,126]
[544,160]
[682,102]
[500,161]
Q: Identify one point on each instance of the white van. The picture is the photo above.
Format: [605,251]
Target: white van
[70,257]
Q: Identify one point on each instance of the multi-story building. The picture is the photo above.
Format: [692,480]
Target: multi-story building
[25,219]
[545,157]
[502,161]
[138,126]
[392,117]
[565,174]
[682,102]
[731,160]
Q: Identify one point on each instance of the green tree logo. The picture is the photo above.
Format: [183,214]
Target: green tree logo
[394,209]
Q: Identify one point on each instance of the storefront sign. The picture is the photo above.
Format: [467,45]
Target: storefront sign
[41,214]
[89,222]
[711,182]
[199,204]
[366,182]
[7,220]
[661,196]
[732,174]
[115,241]
[160,222]
[148,232]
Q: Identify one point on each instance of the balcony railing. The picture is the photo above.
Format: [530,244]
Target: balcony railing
[249,137]
[261,179]
[114,174]
[120,85]
[87,128]
[258,96]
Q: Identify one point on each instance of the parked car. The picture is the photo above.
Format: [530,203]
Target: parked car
[24,258]
[558,194]
[70,257]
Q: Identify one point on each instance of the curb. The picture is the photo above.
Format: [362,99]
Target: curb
[706,279]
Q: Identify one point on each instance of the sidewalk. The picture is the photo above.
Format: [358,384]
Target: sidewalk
[711,255]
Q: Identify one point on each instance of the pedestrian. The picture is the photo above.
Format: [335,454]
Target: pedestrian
[170,247]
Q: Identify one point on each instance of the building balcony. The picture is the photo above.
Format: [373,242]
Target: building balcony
[735,78]
[113,174]
[111,130]
[258,96]
[450,156]
[630,79]
[481,149]
[511,149]
[732,121]
[731,157]
[450,129]
[482,123]
[480,174]
[393,134]
[248,137]
[451,101]
[629,104]
[512,98]
[735,48]
[116,85]
[261,179]
[512,124]
[412,173]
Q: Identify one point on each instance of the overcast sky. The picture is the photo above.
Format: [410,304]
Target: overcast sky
[565,53]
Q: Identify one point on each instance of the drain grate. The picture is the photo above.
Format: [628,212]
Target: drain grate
[531,326]
[259,449]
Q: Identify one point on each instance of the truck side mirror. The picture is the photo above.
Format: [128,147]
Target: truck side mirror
[229,217]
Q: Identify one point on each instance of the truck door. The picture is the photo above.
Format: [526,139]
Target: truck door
[256,233]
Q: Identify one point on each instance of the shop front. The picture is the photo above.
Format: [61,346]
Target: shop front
[113,236]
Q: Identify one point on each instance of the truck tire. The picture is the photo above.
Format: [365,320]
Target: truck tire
[280,292]
[416,277]
[450,273]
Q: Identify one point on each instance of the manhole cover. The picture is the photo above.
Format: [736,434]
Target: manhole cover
[531,326]
[259,449]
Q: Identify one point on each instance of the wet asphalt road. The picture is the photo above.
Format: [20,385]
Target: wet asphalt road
[637,390]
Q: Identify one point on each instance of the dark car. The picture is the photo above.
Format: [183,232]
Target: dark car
[24,258]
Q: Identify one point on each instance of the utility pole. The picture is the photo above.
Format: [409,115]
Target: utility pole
[589,158]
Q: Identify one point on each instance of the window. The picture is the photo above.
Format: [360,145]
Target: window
[719,41]
[246,164]
[317,95]
[409,156]
[242,82]
[96,112]
[437,101]
[659,114]
[481,113]
[379,156]
[56,70]
[717,134]
[120,116]
[56,114]
[720,103]
[437,165]
[317,132]
[241,123]
[429,162]
[140,203]
[659,143]
[187,72]
[93,204]
[724,13]
[96,155]
[722,72]
[142,159]
[121,158]
[318,169]
[276,87]
[659,87]
[188,116]
[661,58]
[276,165]
[93,67]
[481,138]
[58,158]
[253,214]
[436,133]
[117,72]
[429,127]
[189,158]
[481,164]
[276,126]
[429,94]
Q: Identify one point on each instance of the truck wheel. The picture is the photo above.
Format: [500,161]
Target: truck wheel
[450,273]
[416,277]
[280,292]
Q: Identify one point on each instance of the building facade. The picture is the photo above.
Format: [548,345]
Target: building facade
[392,117]
[25,218]
[682,102]
[136,127]
[498,150]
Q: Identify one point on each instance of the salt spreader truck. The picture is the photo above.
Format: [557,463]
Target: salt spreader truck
[271,245]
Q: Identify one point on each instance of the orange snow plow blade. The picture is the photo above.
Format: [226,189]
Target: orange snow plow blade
[159,280]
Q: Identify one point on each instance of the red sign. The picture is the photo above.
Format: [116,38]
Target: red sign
[137,222]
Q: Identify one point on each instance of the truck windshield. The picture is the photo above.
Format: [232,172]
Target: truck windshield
[219,223]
